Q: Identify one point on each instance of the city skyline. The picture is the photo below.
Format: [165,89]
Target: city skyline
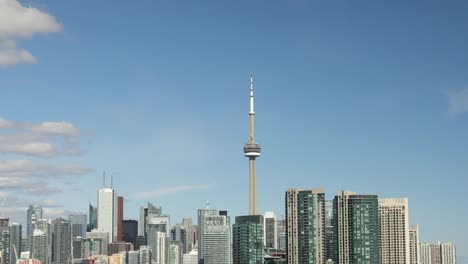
[93,101]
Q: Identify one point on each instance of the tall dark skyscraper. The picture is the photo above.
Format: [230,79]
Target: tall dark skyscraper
[130,231]
[120,213]
[356,224]
[61,237]
[15,241]
[92,218]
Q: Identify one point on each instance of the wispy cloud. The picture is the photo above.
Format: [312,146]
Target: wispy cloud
[172,190]
[458,101]
[20,22]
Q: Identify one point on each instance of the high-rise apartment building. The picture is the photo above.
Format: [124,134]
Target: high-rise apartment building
[329,232]
[44,226]
[414,244]
[132,257]
[270,232]
[144,255]
[394,231]
[5,239]
[62,239]
[449,254]
[15,241]
[425,253]
[281,229]
[305,226]
[247,240]
[356,222]
[216,240]
[190,234]
[39,246]
[440,253]
[107,212]
[175,253]
[34,213]
[158,242]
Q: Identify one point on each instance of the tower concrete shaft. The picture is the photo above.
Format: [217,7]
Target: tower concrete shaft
[252,151]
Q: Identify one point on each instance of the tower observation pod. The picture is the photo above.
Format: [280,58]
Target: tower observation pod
[252,151]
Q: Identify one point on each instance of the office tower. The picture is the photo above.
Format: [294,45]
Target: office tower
[130,231]
[140,241]
[448,253]
[329,229]
[92,218]
[191,257]
[5,239]
[356,222]
[281,229]
[117,247]
[414,244]
[15,241]
[425,253]
[61,237]
[34,213]
[142,221]
[78,225]
[39,249]
[44,226]
[252,151]
[202,213]
[120,213]
[247,240]
[217,239]
[158,242]
[305,226]
[175,253]
[144,255]
[132,257]
[270,239]
[394,231]
[96,243]
[107,212]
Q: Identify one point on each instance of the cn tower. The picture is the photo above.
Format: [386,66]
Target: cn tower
[252,151]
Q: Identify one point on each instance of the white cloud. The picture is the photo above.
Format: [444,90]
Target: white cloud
[20,22]
[458,101]
[172,190]
[45,139]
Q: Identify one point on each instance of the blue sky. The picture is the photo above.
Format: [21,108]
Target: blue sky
[369,96]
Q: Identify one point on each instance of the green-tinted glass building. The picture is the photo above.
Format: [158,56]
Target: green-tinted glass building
[356,223]
[247,240]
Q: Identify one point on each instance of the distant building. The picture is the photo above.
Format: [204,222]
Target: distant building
[356,228]
[281,229]
[144,255]
[175,253]
[61,237]
[440,253]
[107,212]
[449,254]
[92,218]
[96,243]
[202,213]
[270,239]
[120,214]
[329,232]
[191,257]
[247,240]
[414,244]
[130,231]
[15,241]
[132,257]
[305,225]
[39,246]
[425,253]
[34,213]
[179,234]
[5,239]
[78,225]
[217,239]
[394,231]
[117,247]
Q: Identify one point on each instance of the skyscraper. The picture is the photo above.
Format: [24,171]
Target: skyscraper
[414,244]
[39,246]
[305,226]
[356,222]
[120,214]
[15,241]
[440,253]
[448,252]
[5,239]
[270,239]
[107,212]
[217,240]
[252,151]
[281,229]
[92,218]
[425,253]
[202,214]
[394,231]
[247,240]
[130,231]
[61,237]
[43,225]
[34,213]
[96,243]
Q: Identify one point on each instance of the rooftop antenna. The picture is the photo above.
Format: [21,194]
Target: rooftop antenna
[112,181]
[103,179]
